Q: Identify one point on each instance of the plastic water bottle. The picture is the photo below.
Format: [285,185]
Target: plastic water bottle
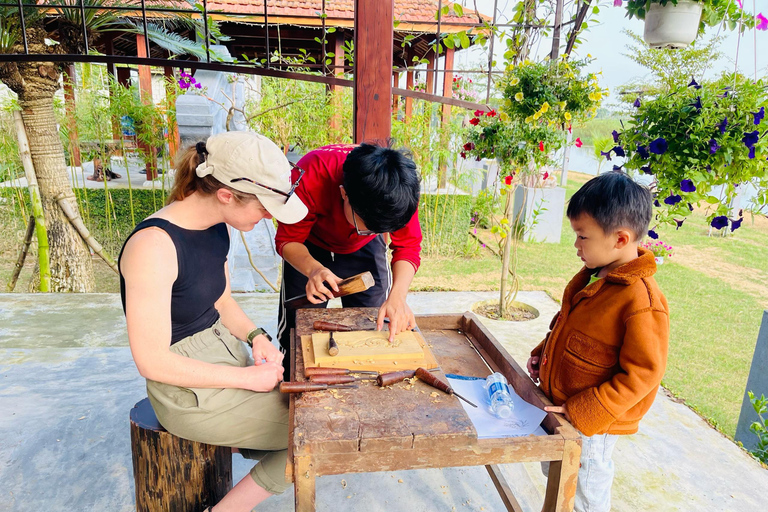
[498,395]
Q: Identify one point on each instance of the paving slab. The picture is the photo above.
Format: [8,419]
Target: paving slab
[67,383]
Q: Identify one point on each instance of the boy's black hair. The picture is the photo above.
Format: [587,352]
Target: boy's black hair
[382,185]
[615,201]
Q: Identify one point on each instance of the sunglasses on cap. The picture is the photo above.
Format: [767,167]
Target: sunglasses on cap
[287,195]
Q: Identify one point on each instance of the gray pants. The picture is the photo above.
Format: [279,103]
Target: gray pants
[255,423]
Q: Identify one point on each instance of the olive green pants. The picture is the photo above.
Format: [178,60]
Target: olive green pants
[255,423]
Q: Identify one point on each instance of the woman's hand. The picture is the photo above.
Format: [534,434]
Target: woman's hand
[265,352]
[399,313]
[263,378]
[317,292]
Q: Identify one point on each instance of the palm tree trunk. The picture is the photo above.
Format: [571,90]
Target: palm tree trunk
[71,265]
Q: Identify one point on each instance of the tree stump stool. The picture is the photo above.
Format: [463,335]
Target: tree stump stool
[173,474]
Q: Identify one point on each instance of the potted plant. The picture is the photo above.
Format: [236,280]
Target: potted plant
[539,102]
[676,23]
[659,249]
[700,143]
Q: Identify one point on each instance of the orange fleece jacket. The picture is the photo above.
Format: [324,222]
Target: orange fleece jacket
[606,352]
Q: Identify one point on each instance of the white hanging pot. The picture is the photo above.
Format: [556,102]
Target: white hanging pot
[672,26]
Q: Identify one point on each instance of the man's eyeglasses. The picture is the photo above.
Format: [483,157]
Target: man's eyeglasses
[364,232]
[276,191]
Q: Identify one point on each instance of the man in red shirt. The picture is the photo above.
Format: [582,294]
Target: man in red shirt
[354,195]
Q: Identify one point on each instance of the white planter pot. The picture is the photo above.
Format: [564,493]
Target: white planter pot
[659,260]
[672,26]
[547,225]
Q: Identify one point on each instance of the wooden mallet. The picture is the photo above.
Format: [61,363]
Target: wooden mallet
[348,286]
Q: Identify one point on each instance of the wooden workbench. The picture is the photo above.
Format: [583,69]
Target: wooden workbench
[407,427]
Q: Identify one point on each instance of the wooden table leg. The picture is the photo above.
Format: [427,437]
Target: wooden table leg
[304,484]
[561,484]
[505,492]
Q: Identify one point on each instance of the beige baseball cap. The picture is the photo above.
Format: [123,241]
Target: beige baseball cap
[251,163]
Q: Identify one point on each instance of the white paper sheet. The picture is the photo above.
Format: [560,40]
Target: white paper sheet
[524,421]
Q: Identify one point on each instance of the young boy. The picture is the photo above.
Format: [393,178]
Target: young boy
[602,362]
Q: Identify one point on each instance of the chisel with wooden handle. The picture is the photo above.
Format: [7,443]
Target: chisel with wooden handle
[304,387]
[322,325]
[348,286]
[338,379]
[333,347]
[323,370]
[424,375]
[387,379]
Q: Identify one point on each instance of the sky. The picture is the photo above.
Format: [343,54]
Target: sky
[606,42]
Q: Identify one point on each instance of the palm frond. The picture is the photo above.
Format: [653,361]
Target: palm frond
[176,44]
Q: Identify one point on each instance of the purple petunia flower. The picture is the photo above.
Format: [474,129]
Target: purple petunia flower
[615,136]
[752,152]
[759,115]
[690,206]
[656,203]
[659,146]
[713,146]
[697,104]
[723,125]
[646,169]
[637,103]
[606,154]
[673,200]
[198,85]
[694,84]
[619,151]
[750,138]
[736,224]
[183,84]
[653,234]
[643,152]
[719,222]
[687,186]
[617,167]
[708,168]
[679,223]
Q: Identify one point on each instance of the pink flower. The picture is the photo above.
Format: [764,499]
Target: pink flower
[478,113]
[763,22]
[508,180]
[617,3]
[492,113]
[545,176]
[474,121]
[541,146]
[570,128]
[578,142]
[198,85]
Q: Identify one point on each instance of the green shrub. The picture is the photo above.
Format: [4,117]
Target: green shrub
[445,221]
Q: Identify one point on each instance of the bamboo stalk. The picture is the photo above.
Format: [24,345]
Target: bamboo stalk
[43,255]
[250,258]
[77,222]
[22,254]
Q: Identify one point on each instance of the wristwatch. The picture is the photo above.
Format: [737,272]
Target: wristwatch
[256,332]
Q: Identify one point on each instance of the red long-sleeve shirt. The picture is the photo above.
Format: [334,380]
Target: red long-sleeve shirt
[325,224]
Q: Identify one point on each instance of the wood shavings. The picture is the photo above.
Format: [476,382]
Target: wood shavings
[400,481]
[433,394]
[328,408]
[344,483]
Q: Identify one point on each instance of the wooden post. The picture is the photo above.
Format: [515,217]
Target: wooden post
[395,98]
[171,473]
[408,99]
[431,66]
[556,31]
[445,117]
[69,79]
[335,90]
[304,484]
[373,69]
[174,142]
[145,91]
[561,483]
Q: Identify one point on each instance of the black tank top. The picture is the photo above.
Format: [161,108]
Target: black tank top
[201,255]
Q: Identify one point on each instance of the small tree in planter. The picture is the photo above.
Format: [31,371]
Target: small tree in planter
[676,23]
[696,139]
[539,101]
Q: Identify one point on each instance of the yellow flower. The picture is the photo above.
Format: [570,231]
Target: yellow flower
[529,119]
[544,108]
[567,116]
[591,96]
[562,104]
[514,81]
[503,117]
[537,115]
[519,96]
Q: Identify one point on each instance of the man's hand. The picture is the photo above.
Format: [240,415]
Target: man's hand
[265,352]
[533,368]
[263,378]
[400,316]
[317,292]
[561,410]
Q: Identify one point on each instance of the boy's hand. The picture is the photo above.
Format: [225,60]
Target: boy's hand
[561,410]
[533,368]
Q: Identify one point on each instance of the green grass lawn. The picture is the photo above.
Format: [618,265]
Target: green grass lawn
[717,289]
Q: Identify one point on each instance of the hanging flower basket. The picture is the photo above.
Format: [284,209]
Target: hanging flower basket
[672,26]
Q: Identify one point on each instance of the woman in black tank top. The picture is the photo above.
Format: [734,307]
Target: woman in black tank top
[185,330]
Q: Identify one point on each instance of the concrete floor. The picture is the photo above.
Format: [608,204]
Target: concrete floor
[67,383]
